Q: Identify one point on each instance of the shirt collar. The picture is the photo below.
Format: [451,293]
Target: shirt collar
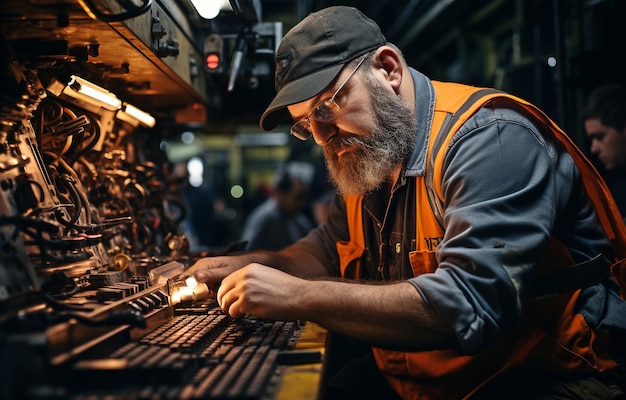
[424,111]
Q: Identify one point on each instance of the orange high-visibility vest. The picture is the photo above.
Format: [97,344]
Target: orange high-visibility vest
[552,337]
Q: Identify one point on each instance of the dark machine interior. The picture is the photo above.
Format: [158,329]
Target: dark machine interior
[91,243]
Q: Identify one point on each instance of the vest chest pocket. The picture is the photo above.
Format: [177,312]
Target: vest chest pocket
[422,261]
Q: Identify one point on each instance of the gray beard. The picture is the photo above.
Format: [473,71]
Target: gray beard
[377,154]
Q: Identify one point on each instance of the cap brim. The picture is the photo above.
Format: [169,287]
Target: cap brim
[296,92]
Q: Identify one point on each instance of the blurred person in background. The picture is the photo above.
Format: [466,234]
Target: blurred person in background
[280,220]
[604,118]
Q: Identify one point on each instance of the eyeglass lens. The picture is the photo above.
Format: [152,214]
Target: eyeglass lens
[324,112]
[301,129]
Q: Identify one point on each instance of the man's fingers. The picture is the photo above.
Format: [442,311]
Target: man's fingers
[202,276]
[225,301]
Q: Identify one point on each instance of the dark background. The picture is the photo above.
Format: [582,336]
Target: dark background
[498,43]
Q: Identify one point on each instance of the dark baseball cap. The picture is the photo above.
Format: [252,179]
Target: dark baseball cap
[312,54]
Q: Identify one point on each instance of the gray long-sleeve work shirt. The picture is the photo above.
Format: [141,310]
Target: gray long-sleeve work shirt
[507,189]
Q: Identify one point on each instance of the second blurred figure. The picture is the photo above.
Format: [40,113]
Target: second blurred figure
[604,118]
[280,221]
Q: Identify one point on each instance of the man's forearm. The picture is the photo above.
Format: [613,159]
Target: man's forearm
[293,260]
[392,316]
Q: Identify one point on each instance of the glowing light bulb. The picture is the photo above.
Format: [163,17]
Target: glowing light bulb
[191,282]
[207,9]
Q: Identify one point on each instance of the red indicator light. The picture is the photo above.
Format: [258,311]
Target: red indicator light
[212,61]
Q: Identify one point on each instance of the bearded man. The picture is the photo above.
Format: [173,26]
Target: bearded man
[444,270]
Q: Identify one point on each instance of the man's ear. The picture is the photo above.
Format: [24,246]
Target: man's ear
[389,62]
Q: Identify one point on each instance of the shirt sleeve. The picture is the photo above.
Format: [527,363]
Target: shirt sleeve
[505,188]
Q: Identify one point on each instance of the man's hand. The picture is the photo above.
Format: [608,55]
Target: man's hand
[212,270]
[261,291]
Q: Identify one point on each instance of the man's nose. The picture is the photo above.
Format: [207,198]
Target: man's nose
[595,147]
[322,132]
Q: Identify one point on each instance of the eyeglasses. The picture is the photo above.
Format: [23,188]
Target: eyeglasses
[325,111]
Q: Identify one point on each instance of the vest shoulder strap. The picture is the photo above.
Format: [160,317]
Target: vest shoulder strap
[457,103]
[355,219]
[466,105]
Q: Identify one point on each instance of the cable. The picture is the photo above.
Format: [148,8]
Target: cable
[77,202]
[59,286]
[34,223]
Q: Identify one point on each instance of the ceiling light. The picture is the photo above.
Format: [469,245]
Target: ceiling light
[209,9]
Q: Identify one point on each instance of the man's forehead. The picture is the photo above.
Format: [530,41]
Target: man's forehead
[303,109]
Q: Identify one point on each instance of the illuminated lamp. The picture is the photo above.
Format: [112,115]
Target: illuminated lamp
[135,116]
[209,9]
[213,61]
[83,91]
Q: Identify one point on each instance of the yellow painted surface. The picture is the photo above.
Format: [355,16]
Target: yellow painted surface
[302,382]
